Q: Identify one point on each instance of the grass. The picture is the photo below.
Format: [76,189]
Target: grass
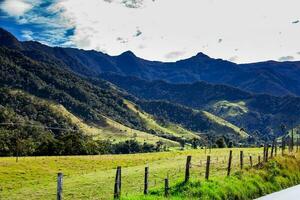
[277,174]
[92,177]
[223,123]
[232,109]
[171,128]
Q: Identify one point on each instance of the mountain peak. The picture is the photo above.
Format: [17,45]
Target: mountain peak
[201,55]
[8,40]
[128,53]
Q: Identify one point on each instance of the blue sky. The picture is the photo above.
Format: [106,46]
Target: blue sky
[238,30]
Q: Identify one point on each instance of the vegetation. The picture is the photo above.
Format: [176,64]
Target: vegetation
[92,177]
[275,175]
[260,113]
[33,126]
[197,121]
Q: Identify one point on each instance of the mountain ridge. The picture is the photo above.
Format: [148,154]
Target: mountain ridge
[270,77]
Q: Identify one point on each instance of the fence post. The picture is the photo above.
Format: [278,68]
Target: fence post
[297,144]
[59,186]
[120,181]
[265,150]
[241,159]
[187,168]
[292,142]
[207,168]
[282,146]
[259,159]
[146,180]
[166,187]
[251,163]
[267,153]
[272,149]
[117,188]
[229,163]
[275,148]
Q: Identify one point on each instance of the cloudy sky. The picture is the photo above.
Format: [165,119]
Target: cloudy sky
[238,30]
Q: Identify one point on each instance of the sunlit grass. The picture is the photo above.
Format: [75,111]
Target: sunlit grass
[92,177]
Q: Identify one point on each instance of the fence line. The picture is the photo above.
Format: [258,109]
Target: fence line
[220,163]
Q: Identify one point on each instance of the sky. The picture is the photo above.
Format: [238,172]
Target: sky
[242,31]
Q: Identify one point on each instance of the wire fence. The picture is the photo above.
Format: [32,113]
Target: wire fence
[131,180]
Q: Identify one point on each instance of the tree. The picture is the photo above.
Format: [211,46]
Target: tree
[182,143]
[221,143]
[195,143]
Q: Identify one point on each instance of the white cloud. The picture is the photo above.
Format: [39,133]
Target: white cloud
[27,35]
[233,58]
[251,30]
[15,7]
[215,27]
[286,58]
[174,54]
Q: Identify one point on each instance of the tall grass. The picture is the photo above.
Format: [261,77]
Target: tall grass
[277,174]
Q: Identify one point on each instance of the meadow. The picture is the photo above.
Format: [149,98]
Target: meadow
[92,177]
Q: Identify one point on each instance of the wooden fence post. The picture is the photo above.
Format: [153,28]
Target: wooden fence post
[264,155]
[117,188]
[120,180]
[267,153]
[146,180]
[292,141]
[187,168]
[241,159]
[229,163]
[297,144]
[251,163]
[272,149]
[207,168]
[166,187]
[59,186]
[259,159]
[275,148]
[282,146]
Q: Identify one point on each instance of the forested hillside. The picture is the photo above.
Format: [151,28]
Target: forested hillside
[260,113]
[82,102]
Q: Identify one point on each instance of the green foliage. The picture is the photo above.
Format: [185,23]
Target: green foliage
[49,81]
[264,179]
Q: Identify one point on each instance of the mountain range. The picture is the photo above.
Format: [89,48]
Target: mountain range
[270,77]
[122,97]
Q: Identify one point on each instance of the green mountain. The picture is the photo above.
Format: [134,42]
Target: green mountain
[46,99]
[260,113]
[275,78]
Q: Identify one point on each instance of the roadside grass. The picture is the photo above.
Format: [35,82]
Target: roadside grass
[92,177]
[279,173]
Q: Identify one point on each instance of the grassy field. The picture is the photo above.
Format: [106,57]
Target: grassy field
[262,179]
[92,177]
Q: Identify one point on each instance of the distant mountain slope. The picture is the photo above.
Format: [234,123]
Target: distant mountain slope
[32,111]
[195,120]
[276,78]
[254,112]
[93,101]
